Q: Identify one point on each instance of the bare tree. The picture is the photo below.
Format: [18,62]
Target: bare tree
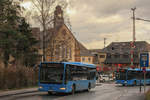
[44,15]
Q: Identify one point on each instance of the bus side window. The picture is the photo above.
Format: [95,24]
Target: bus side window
[74,73]
[68,72]
[61,76]
[148,74]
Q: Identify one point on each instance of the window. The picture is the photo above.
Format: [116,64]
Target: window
[125,56]
[70,54]
[102,56]
[64,32]
[95,55]
[74,72]
[60,51]
[57,52]
[83,59]
[112,48]
[135,55]
[108,55]
[51,73]
[65,52]
[89,59]
[117,55]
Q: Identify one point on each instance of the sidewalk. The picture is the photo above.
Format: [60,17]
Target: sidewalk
[16,92]
[23,91]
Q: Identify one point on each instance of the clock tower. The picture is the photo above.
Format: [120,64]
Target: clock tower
[58,17]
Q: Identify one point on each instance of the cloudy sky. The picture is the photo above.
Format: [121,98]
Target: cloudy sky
[94,20]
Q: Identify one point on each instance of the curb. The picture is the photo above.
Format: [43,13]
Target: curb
[98,84]
[17,92]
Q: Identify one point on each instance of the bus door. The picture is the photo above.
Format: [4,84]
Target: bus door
[73,76]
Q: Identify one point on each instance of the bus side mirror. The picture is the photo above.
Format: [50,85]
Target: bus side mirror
[35,66]
[96,77]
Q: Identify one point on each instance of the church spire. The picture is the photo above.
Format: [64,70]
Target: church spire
[58,17]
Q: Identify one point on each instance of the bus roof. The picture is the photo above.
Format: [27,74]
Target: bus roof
[137,69]
[75,63]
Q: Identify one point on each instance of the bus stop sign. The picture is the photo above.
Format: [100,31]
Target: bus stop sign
[144,60]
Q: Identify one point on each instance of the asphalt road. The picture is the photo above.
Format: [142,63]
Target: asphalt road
[103,92]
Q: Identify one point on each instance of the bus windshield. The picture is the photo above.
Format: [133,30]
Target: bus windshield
[121,75]
[51,73]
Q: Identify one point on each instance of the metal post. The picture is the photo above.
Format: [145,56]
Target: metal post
[140,79]
[132,43]
[43,45]
[104,42]
[144,81]
[133,9]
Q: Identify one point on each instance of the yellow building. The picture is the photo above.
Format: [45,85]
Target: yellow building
[101,57]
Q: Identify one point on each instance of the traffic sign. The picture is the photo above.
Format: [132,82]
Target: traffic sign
[144,69]
[144,59]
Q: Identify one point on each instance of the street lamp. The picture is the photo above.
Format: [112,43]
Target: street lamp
[140,66]
[142,19]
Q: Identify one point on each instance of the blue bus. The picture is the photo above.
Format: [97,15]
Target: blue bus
[66,77]
[132,76]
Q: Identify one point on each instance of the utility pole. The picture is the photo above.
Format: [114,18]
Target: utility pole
[132,44]
[133,41]
[140,66]
[104,42]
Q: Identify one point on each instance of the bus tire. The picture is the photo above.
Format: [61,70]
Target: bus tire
[73,89]
[123,84]
[49,93]
[89,87]
[135,83]
[103,80]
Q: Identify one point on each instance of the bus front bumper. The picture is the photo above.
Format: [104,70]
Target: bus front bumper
[121,82]
[53,88]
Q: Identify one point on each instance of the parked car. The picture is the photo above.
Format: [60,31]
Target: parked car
[111,77]
[103,78]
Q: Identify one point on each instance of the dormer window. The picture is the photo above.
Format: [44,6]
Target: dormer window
[117,55]
[64,32]
[59,15]
[112,48]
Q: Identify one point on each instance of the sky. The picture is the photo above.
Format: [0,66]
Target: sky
[94,20]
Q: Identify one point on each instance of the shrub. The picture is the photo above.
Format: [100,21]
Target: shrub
[17,77]
[148,95]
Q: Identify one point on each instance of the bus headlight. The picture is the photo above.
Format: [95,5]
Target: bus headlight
[62,88]
[40,87]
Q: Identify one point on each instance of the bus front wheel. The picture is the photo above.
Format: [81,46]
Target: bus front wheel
[123,84]
[73,89]
[134,83]
[49,93]
[89,87]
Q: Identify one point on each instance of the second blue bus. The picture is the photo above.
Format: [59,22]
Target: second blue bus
[132,76]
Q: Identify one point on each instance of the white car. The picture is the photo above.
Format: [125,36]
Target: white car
[103,78]
[111,77]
